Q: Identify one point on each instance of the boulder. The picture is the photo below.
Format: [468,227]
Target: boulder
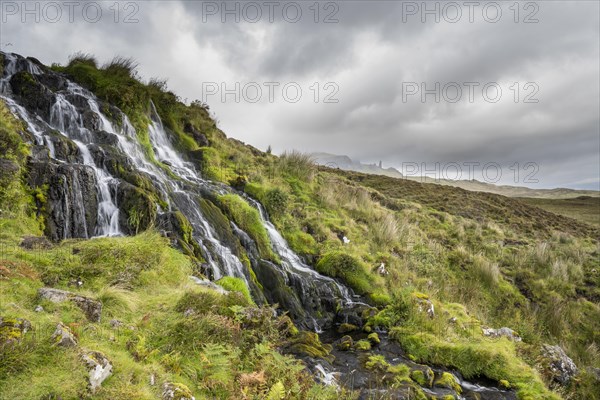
[63,337]
[176,391]
[559,366]
[35,243]
[99,368]
[91,308]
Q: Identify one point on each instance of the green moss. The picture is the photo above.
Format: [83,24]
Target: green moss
[447,380]
[495,360]
[235,285]
[377,363]
[248,219]
[504,384]
[139,208]
[423,377]
[374,338]
[362,345]
[380,299]
[347,268]
[345,328]
[309,344]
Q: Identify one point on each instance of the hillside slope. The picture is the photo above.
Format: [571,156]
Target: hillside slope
[406,281]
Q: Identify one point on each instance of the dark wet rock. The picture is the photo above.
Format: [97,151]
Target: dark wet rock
[199,137]
[91,120]
[36,243]
[91,308]
[138,209]
[39,154]
[558,365]
[32,94]
[106,138]
[70,205]
[63,337]
[54,82]
[64,148]
[12,330]
[99,368]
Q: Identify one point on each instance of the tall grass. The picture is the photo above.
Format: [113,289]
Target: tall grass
[83,58]
[122,66]
[385,230]
[297,164]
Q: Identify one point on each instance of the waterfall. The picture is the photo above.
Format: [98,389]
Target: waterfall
[65,118]
[76,114]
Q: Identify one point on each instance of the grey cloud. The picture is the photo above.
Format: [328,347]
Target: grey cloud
[369,54]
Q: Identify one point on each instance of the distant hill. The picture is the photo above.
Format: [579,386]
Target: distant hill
[347,164]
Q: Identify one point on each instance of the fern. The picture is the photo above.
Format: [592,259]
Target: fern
[277,392]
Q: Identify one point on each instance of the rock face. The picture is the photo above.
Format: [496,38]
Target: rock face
[99,367]
[91,308]
[63,337]
[71,204]
[176,391]
[502,332]
[558,364]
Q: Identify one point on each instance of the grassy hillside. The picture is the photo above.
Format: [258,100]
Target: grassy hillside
[482,260]
[583,208]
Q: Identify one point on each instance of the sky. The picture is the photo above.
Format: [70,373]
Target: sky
[504,92]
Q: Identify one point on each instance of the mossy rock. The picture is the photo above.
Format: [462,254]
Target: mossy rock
[377,363]
[13,329]
[350,270]
[345,343]
[138,208]
[308,344]
[345,328]
[362,345]
[287,326]
[448,381]
[423,377]
[374,338]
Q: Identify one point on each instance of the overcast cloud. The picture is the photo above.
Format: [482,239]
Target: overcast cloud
[373,53]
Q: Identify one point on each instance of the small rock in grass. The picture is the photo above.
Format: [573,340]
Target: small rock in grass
[560,366]
[99,368]
[63,337]
[176,391]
